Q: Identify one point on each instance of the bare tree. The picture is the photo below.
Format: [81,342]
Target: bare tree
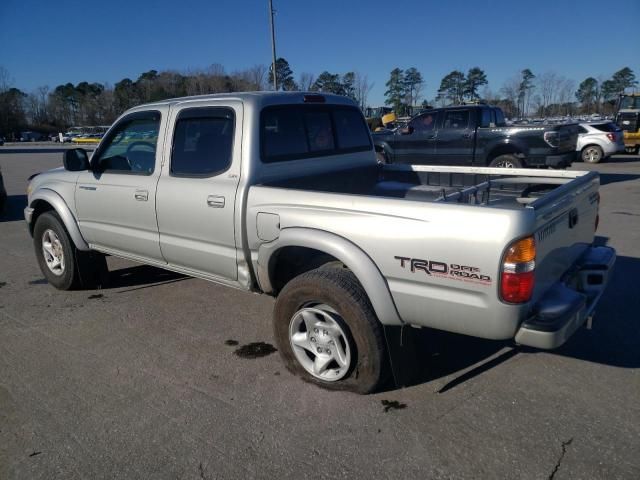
[510,92]
[5,80]
[257,75]
[305,80]
[566,94]
[548,84]
[362,89]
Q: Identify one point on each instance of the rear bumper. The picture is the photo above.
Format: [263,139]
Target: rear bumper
[568,304]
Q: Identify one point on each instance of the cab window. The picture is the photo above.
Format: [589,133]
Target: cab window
[456,119]
[202,142]
[423,123]
[130,146]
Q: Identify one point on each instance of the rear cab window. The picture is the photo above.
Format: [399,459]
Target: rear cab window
[292,132]
[605,127]
[456,119]
[202,142]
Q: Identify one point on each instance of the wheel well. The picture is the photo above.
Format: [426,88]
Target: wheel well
[289,262]
[591,145]
[39,207]
[504,150]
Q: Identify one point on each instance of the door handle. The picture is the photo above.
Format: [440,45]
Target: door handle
[215,201]
[84,187]
[141,195]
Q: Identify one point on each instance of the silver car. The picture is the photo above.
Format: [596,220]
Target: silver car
[598,141]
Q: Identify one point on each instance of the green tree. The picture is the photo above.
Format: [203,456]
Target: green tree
[349,85]
[475,79]
[413,84]
[525,88]
[452,87]
[395,93]
[328,83]
[284,75]
[12,111]
[623,79]
[587,94]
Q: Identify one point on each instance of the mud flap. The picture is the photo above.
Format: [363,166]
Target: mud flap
[403,357]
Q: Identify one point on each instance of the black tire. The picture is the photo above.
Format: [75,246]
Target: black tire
[592,154]
[340,290]
[506,161]
[81,269]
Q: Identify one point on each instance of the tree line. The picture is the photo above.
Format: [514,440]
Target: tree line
[85,103]
[525,94]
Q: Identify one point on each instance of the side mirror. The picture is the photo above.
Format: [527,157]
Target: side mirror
[76,160]
[408,130]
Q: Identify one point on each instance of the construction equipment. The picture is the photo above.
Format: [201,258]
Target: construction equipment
[628,119]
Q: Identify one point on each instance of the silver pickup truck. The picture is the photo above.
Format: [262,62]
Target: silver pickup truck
[281,193]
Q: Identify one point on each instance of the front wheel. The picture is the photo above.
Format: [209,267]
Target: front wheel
[592,154]
[61,263]
[327,332]
[506,161]
[382,158]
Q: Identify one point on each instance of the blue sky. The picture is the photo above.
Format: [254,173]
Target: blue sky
[52,42]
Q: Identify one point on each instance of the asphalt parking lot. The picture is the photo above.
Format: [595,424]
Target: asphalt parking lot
[143,380]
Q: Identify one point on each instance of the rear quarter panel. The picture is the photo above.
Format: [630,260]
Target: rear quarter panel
[416,246]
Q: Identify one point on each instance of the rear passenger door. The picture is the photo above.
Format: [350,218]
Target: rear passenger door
[196,193]
[455,138]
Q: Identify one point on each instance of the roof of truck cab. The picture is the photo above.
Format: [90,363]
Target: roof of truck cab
[258,99]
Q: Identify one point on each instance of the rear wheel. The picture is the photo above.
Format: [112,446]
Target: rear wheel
[506,161]
[592,154]
[327,332]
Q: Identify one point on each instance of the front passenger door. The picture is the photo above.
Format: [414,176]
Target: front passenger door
[418,146]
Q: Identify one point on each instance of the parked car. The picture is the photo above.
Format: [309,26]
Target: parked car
[476,135]
[597,141]
[281,193]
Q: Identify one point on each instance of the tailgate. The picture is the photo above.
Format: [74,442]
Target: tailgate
[565,226]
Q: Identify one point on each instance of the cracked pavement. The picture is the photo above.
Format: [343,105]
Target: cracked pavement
[140,380]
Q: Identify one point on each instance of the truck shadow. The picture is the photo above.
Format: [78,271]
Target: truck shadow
[139,277]
[13,209]
[614,340]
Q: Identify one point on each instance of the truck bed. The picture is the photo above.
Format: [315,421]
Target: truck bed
[488,187]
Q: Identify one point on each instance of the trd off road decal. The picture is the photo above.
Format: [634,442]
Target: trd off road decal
[452,271]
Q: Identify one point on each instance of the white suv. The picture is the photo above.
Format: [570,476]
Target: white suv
[597,141]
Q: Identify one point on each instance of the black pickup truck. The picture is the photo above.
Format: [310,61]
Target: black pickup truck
[476,135]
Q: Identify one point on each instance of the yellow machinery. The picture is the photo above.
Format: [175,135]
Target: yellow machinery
[628,119]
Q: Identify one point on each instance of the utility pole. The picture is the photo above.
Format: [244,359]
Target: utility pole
[273,45]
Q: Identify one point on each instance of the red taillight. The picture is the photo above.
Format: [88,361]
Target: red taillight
[517,287]
[611,136]
[518,271]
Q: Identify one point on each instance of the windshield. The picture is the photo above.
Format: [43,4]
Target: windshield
[630,102]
